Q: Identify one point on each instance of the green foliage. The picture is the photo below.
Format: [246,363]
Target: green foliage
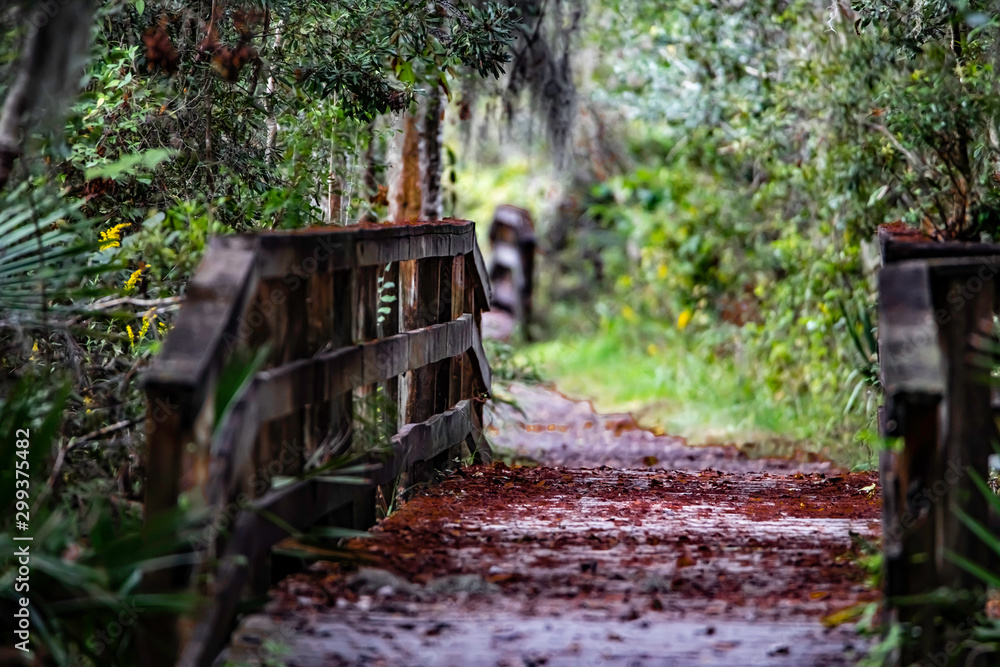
[729,234]
[44,250]
[699,383]
[87,561]
[508,364]
[930,127]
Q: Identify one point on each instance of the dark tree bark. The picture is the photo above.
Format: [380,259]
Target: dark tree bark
[49,73]
[432,164]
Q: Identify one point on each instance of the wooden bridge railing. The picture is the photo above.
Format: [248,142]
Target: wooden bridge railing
[319,303]
[512,263]
[937,303]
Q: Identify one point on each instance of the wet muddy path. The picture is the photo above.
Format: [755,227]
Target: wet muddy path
[621,548]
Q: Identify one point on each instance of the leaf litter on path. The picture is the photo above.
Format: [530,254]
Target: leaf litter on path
[703,557]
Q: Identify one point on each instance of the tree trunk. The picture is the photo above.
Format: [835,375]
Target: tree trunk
[272,122]
[368,178]
[335,188]
[48,74]
[405,199]
[432,164]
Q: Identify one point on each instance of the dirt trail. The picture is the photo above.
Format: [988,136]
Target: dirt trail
[696,558]
[548,428]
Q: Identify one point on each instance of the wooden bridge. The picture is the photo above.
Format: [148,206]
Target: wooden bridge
[292,344]
[377,323]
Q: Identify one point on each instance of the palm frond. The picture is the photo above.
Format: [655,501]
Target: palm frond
[47,250]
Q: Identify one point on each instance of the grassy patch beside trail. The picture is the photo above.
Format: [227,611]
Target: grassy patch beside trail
[695,384]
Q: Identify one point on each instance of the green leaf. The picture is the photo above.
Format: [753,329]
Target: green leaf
[130,164]
[404,72]
[878,195]
[233,382]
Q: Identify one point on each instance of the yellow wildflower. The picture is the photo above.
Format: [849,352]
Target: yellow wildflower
[629,314]
[131,336]
[144,328]
[133,280]
[661,271]
[112,237]
[163,328]
[683,319]
[652,350]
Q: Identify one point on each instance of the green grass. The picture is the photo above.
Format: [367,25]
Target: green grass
[692,383]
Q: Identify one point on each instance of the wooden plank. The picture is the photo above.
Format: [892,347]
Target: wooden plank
[908,530]
[968,434]
[321,249]
[469,306]
[321,332]
[910,359]
[446,294]
[232,450]
[421,308]
[365,306]
[390,326]
[283,304]
[894,248]
[458,364]
[480,364]
[408,296]
[476,270]
[283,389]
[168,430]
[341,403]
[425,440]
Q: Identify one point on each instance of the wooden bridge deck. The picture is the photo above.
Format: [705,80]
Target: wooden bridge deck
[560,565]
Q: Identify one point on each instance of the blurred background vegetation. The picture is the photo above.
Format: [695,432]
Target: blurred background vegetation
[706,179]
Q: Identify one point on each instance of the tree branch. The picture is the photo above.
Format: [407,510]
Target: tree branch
[47,73]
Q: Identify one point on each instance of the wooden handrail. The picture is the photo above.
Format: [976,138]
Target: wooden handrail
[309,298]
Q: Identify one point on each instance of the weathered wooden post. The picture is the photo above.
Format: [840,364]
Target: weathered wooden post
[934,312]
[512,263]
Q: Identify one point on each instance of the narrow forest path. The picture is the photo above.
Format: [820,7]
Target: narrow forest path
[621,548]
